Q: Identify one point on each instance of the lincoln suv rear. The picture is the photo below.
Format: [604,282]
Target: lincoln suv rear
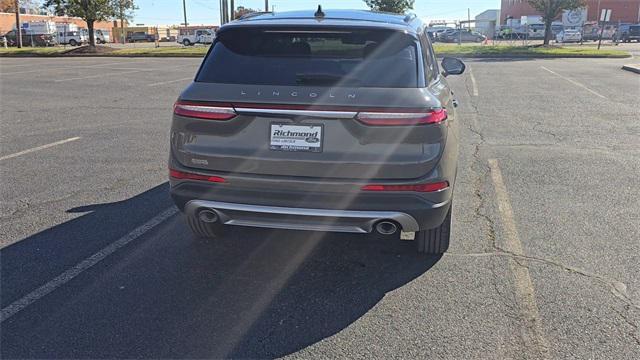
[323,121]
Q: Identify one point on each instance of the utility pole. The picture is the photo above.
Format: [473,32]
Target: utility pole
[18,27]
[233,11]
[469,18]
[266,5]
[184,11]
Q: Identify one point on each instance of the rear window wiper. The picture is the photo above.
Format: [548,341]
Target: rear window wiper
[325,79]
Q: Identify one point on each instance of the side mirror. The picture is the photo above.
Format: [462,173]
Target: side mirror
[452,66]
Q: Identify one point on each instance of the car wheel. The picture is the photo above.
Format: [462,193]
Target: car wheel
[186,42]
[204,230]
[435,241]
[72,42]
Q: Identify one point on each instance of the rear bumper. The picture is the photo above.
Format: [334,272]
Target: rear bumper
[287,207]
[350,221]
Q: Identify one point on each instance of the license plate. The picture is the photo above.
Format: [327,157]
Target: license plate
[285,137]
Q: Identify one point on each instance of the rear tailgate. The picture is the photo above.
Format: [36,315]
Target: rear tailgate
[296,112]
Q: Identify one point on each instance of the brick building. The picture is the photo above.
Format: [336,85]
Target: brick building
[8,21]
[626,11]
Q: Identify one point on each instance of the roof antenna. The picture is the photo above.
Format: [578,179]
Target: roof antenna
[319,13]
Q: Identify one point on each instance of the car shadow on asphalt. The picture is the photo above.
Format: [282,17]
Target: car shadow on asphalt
[252,293]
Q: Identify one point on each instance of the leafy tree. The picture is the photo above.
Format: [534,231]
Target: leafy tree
[551,9]
[394,6]
[7,6]
[241,10]
[90,11]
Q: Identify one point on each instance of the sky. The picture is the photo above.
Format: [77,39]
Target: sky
[166,12]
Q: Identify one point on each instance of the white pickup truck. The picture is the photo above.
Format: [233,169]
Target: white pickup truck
[189,37]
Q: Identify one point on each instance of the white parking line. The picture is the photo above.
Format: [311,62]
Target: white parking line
[524,290]
[71,273]
[101,75]
[473,82]
[574,82]
[171,81]
[41,147]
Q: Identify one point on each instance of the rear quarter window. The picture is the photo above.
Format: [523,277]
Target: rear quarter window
[312,57]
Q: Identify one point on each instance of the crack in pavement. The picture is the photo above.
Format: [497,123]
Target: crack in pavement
[617,288]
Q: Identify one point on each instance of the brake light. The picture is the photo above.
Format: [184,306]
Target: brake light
[203,111]
[381,118]
[431,187]
[180,175]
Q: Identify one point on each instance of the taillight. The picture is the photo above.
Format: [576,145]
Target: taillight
[204,111]
[430,187]
[384,118]
[180,175]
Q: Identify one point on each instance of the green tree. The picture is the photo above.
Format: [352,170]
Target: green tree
[551,9]
[394,6]
[241,10]
[90,11]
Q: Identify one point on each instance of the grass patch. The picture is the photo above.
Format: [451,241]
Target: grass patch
[525,51]
[31,51]
[441,49]
[189,51]
[169,51]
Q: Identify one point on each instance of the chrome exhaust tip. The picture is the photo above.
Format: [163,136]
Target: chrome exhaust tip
[208,216]
[386,228]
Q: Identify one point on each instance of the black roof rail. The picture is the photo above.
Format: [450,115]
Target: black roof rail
[410,17]
[253,14]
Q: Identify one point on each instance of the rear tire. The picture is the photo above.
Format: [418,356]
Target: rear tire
[72,42]
[204,230]
[435,241]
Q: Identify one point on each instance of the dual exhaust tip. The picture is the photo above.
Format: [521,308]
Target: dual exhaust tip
[382,227]
[208,216]
[386,228]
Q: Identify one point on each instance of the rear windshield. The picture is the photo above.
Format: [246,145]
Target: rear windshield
[312,57]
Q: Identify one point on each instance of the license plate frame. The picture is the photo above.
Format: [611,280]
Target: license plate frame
[292,143]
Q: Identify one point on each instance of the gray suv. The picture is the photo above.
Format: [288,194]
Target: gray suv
[328,121]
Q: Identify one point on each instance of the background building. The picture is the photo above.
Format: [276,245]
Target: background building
[486,22]
[8,21]
[626,11]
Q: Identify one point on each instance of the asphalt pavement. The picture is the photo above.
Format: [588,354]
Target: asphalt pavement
[96,263]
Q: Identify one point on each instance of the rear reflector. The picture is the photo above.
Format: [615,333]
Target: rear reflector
[432,187]
[402,118]
[175,174]
[201,111]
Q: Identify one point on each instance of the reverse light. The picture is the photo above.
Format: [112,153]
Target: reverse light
[384,118]
[430,187]
[181,175]
[204,111]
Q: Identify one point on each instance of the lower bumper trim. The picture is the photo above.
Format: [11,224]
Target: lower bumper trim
[350,221]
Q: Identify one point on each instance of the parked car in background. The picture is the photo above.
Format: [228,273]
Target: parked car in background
[630,33]
[102,36]
[73,38]
[463,35]
[140,36]
[568,36]
[189,37]
[30,39]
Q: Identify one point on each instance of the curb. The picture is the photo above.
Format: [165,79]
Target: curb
[540,56]
[632,68]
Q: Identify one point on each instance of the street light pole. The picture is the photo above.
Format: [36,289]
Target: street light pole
[18,28]
[184,10]
[266,5]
